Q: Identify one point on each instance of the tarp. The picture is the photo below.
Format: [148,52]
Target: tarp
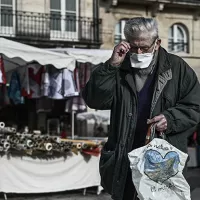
[16,54]
[34,175]
[100,115]
[94,56]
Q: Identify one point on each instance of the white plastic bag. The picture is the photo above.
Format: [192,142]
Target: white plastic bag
[157,172]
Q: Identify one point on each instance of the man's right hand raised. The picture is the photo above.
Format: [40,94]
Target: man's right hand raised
[119,53]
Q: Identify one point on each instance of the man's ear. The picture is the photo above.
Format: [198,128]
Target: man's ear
[158,43]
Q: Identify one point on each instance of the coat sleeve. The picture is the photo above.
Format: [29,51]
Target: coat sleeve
[186,113]
[99,90]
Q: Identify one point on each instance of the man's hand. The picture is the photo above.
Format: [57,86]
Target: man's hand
[161,122]
[119,53]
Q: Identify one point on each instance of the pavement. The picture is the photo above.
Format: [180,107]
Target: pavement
[91,193]
[72,195]
[194,181]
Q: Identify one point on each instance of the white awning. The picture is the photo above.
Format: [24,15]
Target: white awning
[16,54]
[94,56]
[100,115]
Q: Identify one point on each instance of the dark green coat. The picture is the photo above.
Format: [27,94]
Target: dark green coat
[176,95]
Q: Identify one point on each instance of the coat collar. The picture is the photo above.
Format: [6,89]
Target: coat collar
[163,61]
[163,70]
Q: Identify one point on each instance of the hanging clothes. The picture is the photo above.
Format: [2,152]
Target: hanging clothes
[3,91]
[2,71]
[84,74]
[76,78]
[45,82]
[35,79]
[24,79]
[68,84]
[57,83]
[14,90]
[32,82]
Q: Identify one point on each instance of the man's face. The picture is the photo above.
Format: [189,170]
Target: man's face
[144,45]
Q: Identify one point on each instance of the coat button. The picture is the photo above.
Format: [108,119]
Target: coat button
[130,114]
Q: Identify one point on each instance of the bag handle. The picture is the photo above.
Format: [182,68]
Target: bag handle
[151,132]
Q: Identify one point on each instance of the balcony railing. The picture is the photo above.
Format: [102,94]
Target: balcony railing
[191,3]
[182,2]
[186,1]
[40,26]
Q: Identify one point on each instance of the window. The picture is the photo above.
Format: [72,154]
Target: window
[178,39]
[55,6]
[6,13]
[70,13]
[119,31]
[7,18]
[64,15]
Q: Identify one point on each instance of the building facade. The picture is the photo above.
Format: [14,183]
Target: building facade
[178,20]
[51,23]
[99,23]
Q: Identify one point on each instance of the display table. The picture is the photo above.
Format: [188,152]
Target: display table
[28,175]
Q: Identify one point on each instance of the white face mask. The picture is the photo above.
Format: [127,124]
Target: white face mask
[141,61]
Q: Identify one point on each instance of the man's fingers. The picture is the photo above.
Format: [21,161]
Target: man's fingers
[161,128]
[162,122]
[119,53]
[155,119]
[123,46]
[126,44]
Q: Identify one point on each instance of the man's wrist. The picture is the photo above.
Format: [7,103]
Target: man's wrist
[114,64]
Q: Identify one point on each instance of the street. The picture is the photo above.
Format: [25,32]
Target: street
[91,193]
[194,175]
[72,195]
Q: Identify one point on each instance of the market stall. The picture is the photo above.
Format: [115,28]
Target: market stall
[18,55]
[44,84]
[93,56]
[37,74]
[28,175]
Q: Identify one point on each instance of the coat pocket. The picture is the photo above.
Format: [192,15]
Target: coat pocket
[106,168]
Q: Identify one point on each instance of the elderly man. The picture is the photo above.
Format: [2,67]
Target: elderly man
[142,84]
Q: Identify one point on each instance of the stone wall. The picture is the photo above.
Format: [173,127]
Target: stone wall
[40,6]
[86,8]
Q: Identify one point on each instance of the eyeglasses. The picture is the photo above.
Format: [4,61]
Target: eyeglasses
[144,49]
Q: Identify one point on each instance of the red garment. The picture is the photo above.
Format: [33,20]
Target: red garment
[32,80]
[82,75]
[63,135]
[194,137]
[93,152]
[2,71]
[76,79]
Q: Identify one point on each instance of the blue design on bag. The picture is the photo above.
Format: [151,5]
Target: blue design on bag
[158,168]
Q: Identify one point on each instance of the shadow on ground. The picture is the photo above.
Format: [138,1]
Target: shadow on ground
[91,193]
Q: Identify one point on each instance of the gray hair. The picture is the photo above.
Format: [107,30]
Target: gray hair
[140,26]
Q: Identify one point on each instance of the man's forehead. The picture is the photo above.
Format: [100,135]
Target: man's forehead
[141,41]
